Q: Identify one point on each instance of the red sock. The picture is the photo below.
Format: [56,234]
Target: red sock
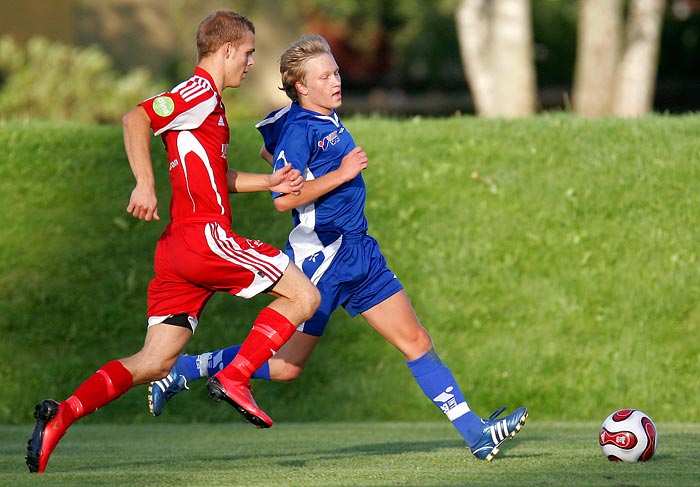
[102,387]
[270,331]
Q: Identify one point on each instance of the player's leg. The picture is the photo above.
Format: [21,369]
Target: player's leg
[300,301]
[292,358]
[285,365]
[296,301]
[162,345]
[188,368]
[296,297]
[396,321]
[160,350]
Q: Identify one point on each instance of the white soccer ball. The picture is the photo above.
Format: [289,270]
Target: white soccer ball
[628,435]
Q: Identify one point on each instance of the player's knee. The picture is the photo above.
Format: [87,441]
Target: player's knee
[147,365]
[156,372]
[313,299]
[309,299]
[157,369]
[286,372]
[423,340]
[301,292]
[416,343]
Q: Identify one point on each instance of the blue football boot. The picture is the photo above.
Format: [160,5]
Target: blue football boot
[496,431]
[161,391]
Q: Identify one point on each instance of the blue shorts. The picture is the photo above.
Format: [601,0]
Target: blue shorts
[354,276]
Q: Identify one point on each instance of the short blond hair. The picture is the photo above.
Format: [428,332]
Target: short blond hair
[221,27]
[294,59]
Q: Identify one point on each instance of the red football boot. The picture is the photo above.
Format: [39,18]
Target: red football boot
[50,428]
[238,395]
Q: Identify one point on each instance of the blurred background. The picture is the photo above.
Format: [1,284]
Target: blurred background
[93,59]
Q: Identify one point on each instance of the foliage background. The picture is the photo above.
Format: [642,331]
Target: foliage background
[553,260]
[397,57]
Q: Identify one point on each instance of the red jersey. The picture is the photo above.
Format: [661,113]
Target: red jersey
[191,119]
[198,253]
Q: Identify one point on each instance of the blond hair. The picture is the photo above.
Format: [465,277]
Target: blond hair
[221,27]
[294,59]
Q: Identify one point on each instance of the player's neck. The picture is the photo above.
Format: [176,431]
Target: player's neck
[215,68]
[317,109]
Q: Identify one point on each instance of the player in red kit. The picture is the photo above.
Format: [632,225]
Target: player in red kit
[198,253]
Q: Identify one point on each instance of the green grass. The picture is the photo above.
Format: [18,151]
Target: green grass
[342,454]
[553,259]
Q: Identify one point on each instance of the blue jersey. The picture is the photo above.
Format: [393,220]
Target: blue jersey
[329,241]
[315,144]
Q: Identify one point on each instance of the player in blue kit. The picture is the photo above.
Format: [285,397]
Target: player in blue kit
[329,242]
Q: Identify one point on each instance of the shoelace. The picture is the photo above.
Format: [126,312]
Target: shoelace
[497,413]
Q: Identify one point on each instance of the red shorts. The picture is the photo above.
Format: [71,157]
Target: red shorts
[194,259]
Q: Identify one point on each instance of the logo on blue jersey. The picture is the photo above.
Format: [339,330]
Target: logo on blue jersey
[282,157]
[312,263]
[330,139]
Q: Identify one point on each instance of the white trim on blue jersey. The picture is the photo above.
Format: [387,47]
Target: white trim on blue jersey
[273,117]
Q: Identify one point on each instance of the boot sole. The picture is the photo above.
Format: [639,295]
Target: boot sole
[219,394]
[44,412]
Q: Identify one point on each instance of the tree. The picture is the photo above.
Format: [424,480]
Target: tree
[634,86]
[598,40]
[615,70]
[496,44]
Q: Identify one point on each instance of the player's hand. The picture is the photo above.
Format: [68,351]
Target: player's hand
[352,164]
[286,180]
[143,204]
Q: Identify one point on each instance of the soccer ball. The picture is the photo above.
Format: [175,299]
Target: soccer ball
[628,435]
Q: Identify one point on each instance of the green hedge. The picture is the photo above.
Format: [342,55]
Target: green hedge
[553,259]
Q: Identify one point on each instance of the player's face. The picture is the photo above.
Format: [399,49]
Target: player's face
[239,61]
[320,89]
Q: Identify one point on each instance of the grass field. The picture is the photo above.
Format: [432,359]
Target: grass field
[342,454]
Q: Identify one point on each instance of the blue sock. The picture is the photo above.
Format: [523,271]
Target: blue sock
[438,383]
[209,363]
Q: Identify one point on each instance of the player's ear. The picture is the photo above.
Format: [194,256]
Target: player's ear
[301,89]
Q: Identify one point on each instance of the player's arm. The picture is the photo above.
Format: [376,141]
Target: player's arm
[284,180]
[143,203]
[265,154]
[352,164]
